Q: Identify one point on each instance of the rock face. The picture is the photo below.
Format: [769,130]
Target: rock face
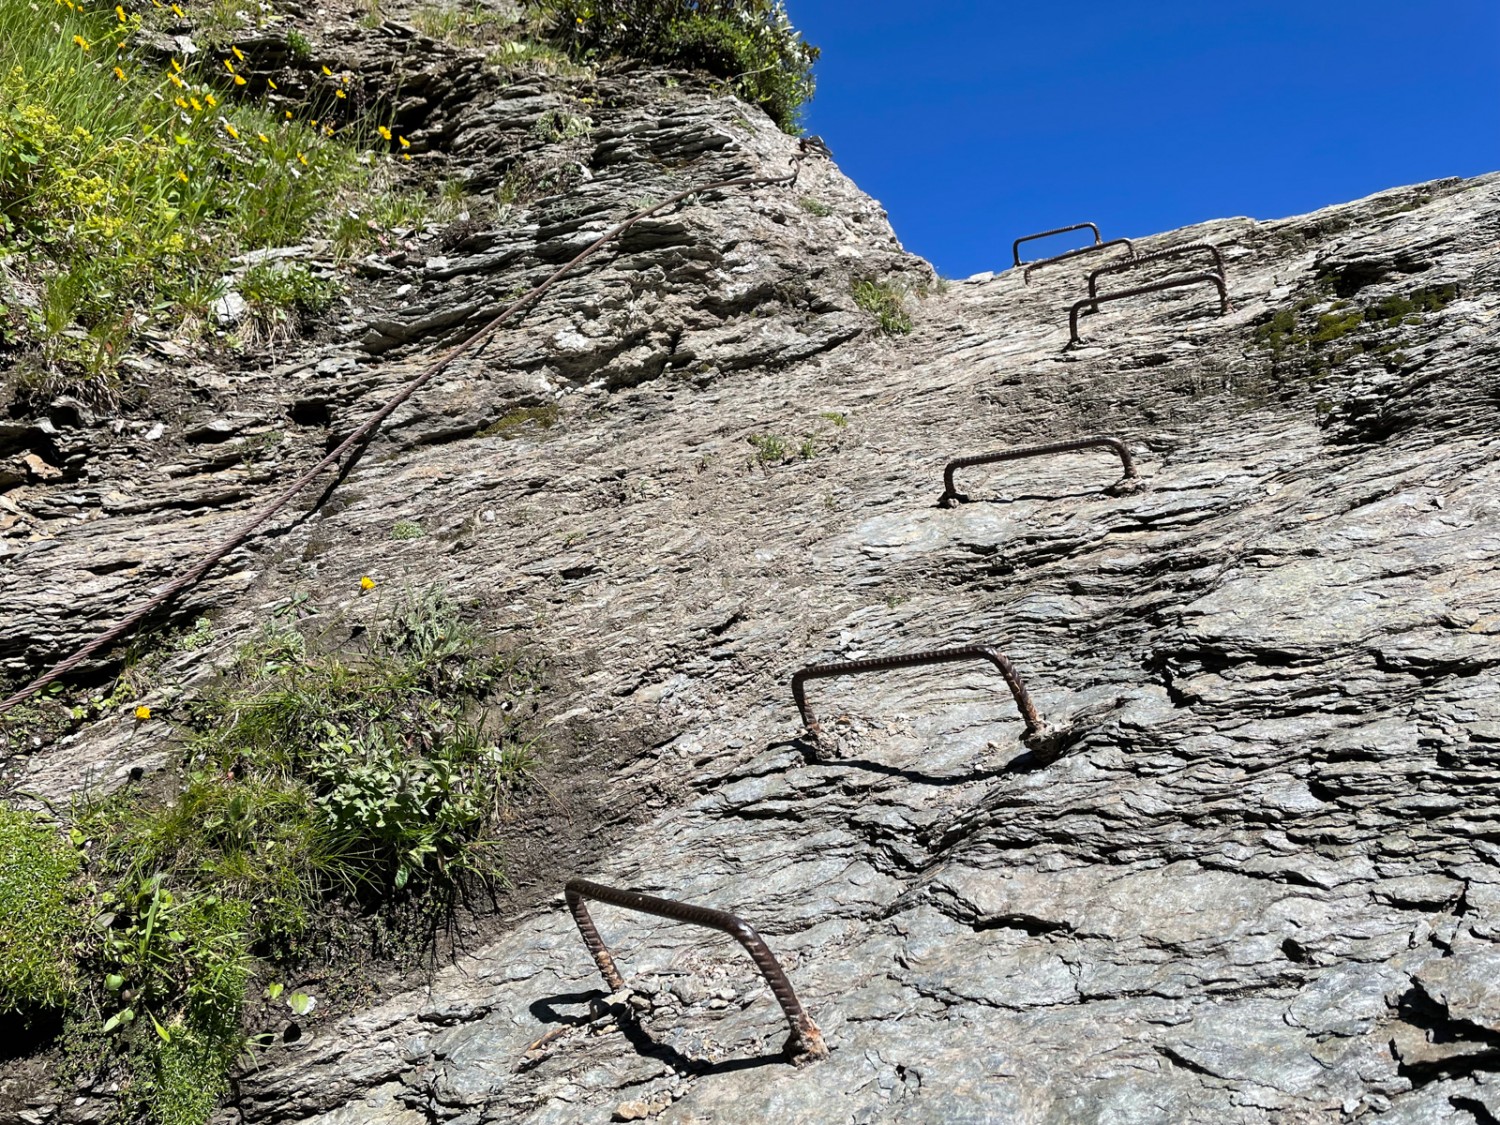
[1262,880]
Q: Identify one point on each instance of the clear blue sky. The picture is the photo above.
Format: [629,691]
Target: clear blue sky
[975,121]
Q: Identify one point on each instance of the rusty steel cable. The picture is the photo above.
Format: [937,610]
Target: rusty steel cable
[1034,724]
[805,1041]
[1158,256]
[367,428]
[1015,247]
[1126,483]
[1069,255]
[1155,287]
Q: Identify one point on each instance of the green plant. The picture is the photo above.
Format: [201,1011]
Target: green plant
[560,125]
[299,45]
[127,181]
[769,448]
[886,302]
[749,43]
[280,296]
[472,26]
[511,424]
[839,421]
[41,919]
[815,207]
[406,529]
[322,782]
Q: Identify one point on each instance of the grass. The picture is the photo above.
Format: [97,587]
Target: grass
[320,783]
[513,423]
[815,207]
[886,302]
[127,182]
[40,915]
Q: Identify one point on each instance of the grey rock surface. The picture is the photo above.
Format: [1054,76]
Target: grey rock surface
[1261,883]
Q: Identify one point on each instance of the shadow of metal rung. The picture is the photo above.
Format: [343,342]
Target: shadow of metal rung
[805,1042]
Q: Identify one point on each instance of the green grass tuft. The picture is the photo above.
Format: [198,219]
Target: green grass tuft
[41,919]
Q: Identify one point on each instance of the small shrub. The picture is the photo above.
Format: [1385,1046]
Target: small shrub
[281,296]
[815,207]
[886,302]
[406,529]
[749,43]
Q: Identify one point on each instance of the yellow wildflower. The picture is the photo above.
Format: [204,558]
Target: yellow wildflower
[176,66]
[231,130]
[196,104]
[239,79]
[119,11]
[385,133]
[328,72]
[143,712]
[210,99]
[180,13]
[340,93]
[404,142]
[181,175]
[346,79]
[229,66]
[302,156]
[271,83]
[176,81]
[180,103]
[367,583]
[406,156]
[265,140]
[237,52]
[120,74]
[288,114]
[81,41]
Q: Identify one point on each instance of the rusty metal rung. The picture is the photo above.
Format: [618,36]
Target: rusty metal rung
[950,493]
[1125,242]
[1155,287]
[805,1042]
[1015,247]
[1158,256]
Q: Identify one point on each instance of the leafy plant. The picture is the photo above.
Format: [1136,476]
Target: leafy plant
[321,782]
[406,529]
[749,43]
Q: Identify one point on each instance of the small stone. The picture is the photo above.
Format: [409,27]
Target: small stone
[631,1111]
[229,309]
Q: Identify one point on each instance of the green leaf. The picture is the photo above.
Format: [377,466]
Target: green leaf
[165,1038]
[114,982]
[126,1015]
[301,1003]
[273,990]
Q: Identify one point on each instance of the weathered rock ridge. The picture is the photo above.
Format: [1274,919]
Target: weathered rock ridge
[1261,884]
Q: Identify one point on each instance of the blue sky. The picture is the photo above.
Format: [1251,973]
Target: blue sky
[974,122]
